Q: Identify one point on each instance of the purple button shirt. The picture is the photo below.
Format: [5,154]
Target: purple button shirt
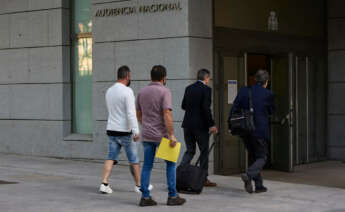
[152,100]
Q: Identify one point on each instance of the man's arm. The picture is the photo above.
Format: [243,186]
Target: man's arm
[184,100]
[131,115]
[236,103]
[169,124]
[139,113]
[206,109]
[168,119]
[234,107]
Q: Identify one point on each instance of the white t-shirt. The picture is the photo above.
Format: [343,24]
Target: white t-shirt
[120,103]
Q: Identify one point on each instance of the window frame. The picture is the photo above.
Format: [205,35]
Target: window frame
[74,38]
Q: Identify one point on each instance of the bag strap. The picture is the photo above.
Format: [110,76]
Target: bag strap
[251,107]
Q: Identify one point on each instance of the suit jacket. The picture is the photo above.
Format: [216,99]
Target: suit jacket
[197,104]
[263,103]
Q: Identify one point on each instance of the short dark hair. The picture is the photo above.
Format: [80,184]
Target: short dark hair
[158,73]
[262,76]
[203,73]
[122,72]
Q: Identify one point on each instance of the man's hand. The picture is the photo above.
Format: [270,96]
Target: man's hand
[136,137]
[213,130]
[173,141]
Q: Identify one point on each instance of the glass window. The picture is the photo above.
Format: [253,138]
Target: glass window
[82,16]
[82,67]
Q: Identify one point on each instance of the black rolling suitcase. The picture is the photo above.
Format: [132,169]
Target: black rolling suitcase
[190,178]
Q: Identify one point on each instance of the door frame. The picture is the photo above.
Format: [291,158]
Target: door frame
[220,113]
[292,118]
[297,114]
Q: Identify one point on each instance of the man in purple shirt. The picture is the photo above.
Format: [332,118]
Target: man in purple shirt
[154,114]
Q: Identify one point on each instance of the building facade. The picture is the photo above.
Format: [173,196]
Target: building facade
[58,57]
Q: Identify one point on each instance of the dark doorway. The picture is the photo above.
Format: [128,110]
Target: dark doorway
[256,62]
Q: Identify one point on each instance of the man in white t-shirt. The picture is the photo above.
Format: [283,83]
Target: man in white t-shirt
[122,129]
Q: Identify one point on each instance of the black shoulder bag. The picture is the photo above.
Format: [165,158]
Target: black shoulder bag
[241,121]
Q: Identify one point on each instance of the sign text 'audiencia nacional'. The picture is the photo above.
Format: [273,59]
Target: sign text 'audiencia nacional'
[143,9]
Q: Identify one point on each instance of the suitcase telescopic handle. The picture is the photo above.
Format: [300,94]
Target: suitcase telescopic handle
[209,151]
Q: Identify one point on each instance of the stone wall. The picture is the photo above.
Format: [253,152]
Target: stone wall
[180,39]
[35,85]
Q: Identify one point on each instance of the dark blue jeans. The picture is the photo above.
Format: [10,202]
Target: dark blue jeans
[149,155]
[257,149]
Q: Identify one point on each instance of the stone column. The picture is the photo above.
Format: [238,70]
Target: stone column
[143,33]
[336,79]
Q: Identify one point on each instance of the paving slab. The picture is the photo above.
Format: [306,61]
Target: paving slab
[49,185]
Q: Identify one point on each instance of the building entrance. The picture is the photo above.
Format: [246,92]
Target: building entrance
[298,125]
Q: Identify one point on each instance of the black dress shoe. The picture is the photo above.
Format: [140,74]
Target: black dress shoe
[261,189]
[247,183]
[147,202]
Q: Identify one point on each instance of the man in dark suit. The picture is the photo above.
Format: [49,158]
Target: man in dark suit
[198,122]
[256,143]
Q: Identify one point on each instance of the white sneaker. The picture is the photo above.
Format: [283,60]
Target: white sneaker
[105,189]
[137,188]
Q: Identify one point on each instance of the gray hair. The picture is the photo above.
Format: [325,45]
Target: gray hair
[202,74]
[262,76]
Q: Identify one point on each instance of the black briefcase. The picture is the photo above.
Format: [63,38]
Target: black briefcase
[190,179]
[241,122]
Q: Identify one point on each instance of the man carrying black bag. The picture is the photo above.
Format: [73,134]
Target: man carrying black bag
[249,119]
[198,122]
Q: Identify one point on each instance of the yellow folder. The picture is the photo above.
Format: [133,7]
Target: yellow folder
[166,152]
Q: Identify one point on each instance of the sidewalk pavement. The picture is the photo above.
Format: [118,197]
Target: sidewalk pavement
[49,185]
